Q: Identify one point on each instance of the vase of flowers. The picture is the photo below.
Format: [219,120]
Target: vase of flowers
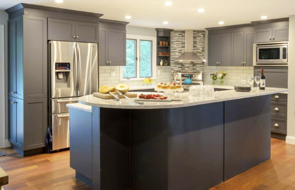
[222,75]
[214,77]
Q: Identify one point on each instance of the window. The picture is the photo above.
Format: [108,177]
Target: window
[140,58]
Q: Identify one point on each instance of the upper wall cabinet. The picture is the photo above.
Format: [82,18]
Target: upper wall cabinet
[272,32]
[68,30]
[231,47]
[219,50]
[112,43]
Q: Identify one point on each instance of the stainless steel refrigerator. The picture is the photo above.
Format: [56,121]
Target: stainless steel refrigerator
[74,73]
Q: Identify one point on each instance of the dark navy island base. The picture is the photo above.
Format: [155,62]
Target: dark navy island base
[190,148]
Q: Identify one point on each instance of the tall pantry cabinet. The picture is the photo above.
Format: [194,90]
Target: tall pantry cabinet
[27,67]
[28,70]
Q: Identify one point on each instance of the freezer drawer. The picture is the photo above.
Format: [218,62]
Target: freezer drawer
[60,105]
[60,131]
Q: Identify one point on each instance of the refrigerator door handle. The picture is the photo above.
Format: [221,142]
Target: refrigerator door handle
[79,63]
[62,115]
[75,61]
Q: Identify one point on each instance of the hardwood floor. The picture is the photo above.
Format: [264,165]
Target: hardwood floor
[52,171]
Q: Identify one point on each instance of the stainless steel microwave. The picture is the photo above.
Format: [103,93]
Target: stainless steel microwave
[272,54]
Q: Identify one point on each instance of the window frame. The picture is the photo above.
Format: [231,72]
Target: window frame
[139,38]
[136,59]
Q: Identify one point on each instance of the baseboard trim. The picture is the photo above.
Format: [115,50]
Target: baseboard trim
[7,143]
[290,140]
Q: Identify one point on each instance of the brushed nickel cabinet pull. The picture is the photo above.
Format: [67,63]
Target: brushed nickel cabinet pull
[276,125]
[276,109]
[74,36]
[277,97]
[269,38]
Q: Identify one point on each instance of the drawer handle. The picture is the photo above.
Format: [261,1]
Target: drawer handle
[277,97]
[276,109]
[276,125]
[61,101]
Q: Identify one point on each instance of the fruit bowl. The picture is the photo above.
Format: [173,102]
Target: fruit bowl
[148,81]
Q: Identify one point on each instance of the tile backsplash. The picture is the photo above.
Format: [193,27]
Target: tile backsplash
[110,76]
[233,74]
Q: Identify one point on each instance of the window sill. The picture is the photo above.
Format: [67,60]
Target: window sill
[135,79]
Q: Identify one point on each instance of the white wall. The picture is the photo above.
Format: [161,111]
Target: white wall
[110,75]
[3,79]
[291,85]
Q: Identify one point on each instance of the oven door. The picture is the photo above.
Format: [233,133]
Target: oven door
[272,55]
[60,131]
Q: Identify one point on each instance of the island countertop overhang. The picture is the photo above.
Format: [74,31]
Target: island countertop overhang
[221,96]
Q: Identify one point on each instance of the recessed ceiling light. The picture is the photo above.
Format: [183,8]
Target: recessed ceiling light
[264,17]
[165,22]
[221,22]
[168,3]
[59,1]
[201,10]
[128,17]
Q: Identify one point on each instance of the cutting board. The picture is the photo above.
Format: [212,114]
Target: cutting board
[108,96]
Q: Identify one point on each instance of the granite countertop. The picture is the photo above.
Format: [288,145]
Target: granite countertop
[220,96]
[79,106]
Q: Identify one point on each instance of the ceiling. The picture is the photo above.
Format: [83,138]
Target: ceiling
[182,14]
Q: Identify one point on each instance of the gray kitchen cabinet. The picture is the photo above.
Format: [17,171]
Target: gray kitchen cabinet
[272,32]
[27,83]
[87,32]
[35,57]
[248,48]
[69,30]
[281,33]
[219,50]
[112,43]
[263,35]
[16,125]
[213,43]
[276,77]
[61,30]
[237,47]
[102,47]
[242,48]
[35,123]
[224,50]
[15,56]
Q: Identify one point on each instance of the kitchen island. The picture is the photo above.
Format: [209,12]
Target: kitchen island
[188,144]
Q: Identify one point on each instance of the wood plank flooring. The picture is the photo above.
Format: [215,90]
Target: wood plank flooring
[52,171]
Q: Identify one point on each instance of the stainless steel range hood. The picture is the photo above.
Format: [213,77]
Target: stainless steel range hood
[189,56]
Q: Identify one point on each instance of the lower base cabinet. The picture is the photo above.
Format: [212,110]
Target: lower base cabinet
[279,116]
[28,125]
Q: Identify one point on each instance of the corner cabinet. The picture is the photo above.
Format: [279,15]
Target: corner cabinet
[27,81]
[68,30]
[112,43]
[272,32]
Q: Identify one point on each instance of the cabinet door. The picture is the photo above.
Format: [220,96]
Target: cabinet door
[281,33]
[15,66]
[87,32]
[116,49]
[63,30]
[35,57]
[237,40]
[103,46]
[213,50]
[224,50]
[248,48]
[16,125]
[263,35]
[276,77]
[35,122]
[12,57]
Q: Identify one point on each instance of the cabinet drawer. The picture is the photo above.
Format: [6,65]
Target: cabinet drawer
[279,97]
[279,126]
[278,110]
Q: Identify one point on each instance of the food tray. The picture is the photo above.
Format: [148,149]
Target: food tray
[169,90]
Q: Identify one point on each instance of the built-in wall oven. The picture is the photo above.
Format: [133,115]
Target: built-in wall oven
[271,54]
